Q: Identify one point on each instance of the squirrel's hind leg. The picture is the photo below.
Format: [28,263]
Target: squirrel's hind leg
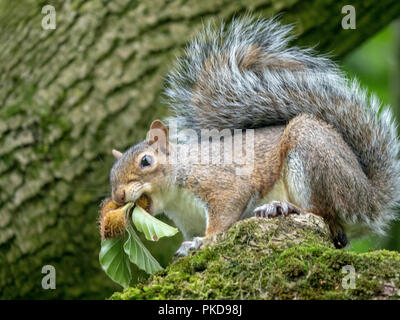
[338,234]
[323,175]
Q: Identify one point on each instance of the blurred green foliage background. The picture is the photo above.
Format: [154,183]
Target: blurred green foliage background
[376,64]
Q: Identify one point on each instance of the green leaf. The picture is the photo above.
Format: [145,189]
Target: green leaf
[138,254]
[116,253]
[114,261]
[152,228]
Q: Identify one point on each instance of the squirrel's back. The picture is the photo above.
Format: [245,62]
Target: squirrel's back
[246,76]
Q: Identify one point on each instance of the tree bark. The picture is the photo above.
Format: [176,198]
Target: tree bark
[70,95]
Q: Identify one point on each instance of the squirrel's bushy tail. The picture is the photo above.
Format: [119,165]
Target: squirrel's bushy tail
[246,76]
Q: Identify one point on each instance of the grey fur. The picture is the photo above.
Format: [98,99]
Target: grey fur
[233,97]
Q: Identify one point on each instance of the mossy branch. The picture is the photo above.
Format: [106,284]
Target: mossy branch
[290,258]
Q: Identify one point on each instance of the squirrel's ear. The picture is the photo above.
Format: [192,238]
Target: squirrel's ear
[158,132]
[117,154]
[158,124]
[158,135]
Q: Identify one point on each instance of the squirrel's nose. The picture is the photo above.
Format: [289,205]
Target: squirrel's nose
[119,196]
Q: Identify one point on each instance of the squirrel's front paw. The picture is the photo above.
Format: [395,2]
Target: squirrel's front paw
[186,246]
[276,208]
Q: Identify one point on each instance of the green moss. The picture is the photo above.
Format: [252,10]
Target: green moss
[279,259]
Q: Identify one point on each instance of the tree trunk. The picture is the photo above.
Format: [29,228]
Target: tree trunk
[70,95]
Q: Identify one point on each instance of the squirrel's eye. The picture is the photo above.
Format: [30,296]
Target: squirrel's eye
[146,161]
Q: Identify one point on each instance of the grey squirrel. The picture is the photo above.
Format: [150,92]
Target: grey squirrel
[321,144]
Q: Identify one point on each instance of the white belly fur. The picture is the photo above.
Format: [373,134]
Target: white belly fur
[188,212]
[296,190]
[278,193]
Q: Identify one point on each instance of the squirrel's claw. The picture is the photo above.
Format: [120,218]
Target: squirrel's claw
[276,208]
[186,246]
